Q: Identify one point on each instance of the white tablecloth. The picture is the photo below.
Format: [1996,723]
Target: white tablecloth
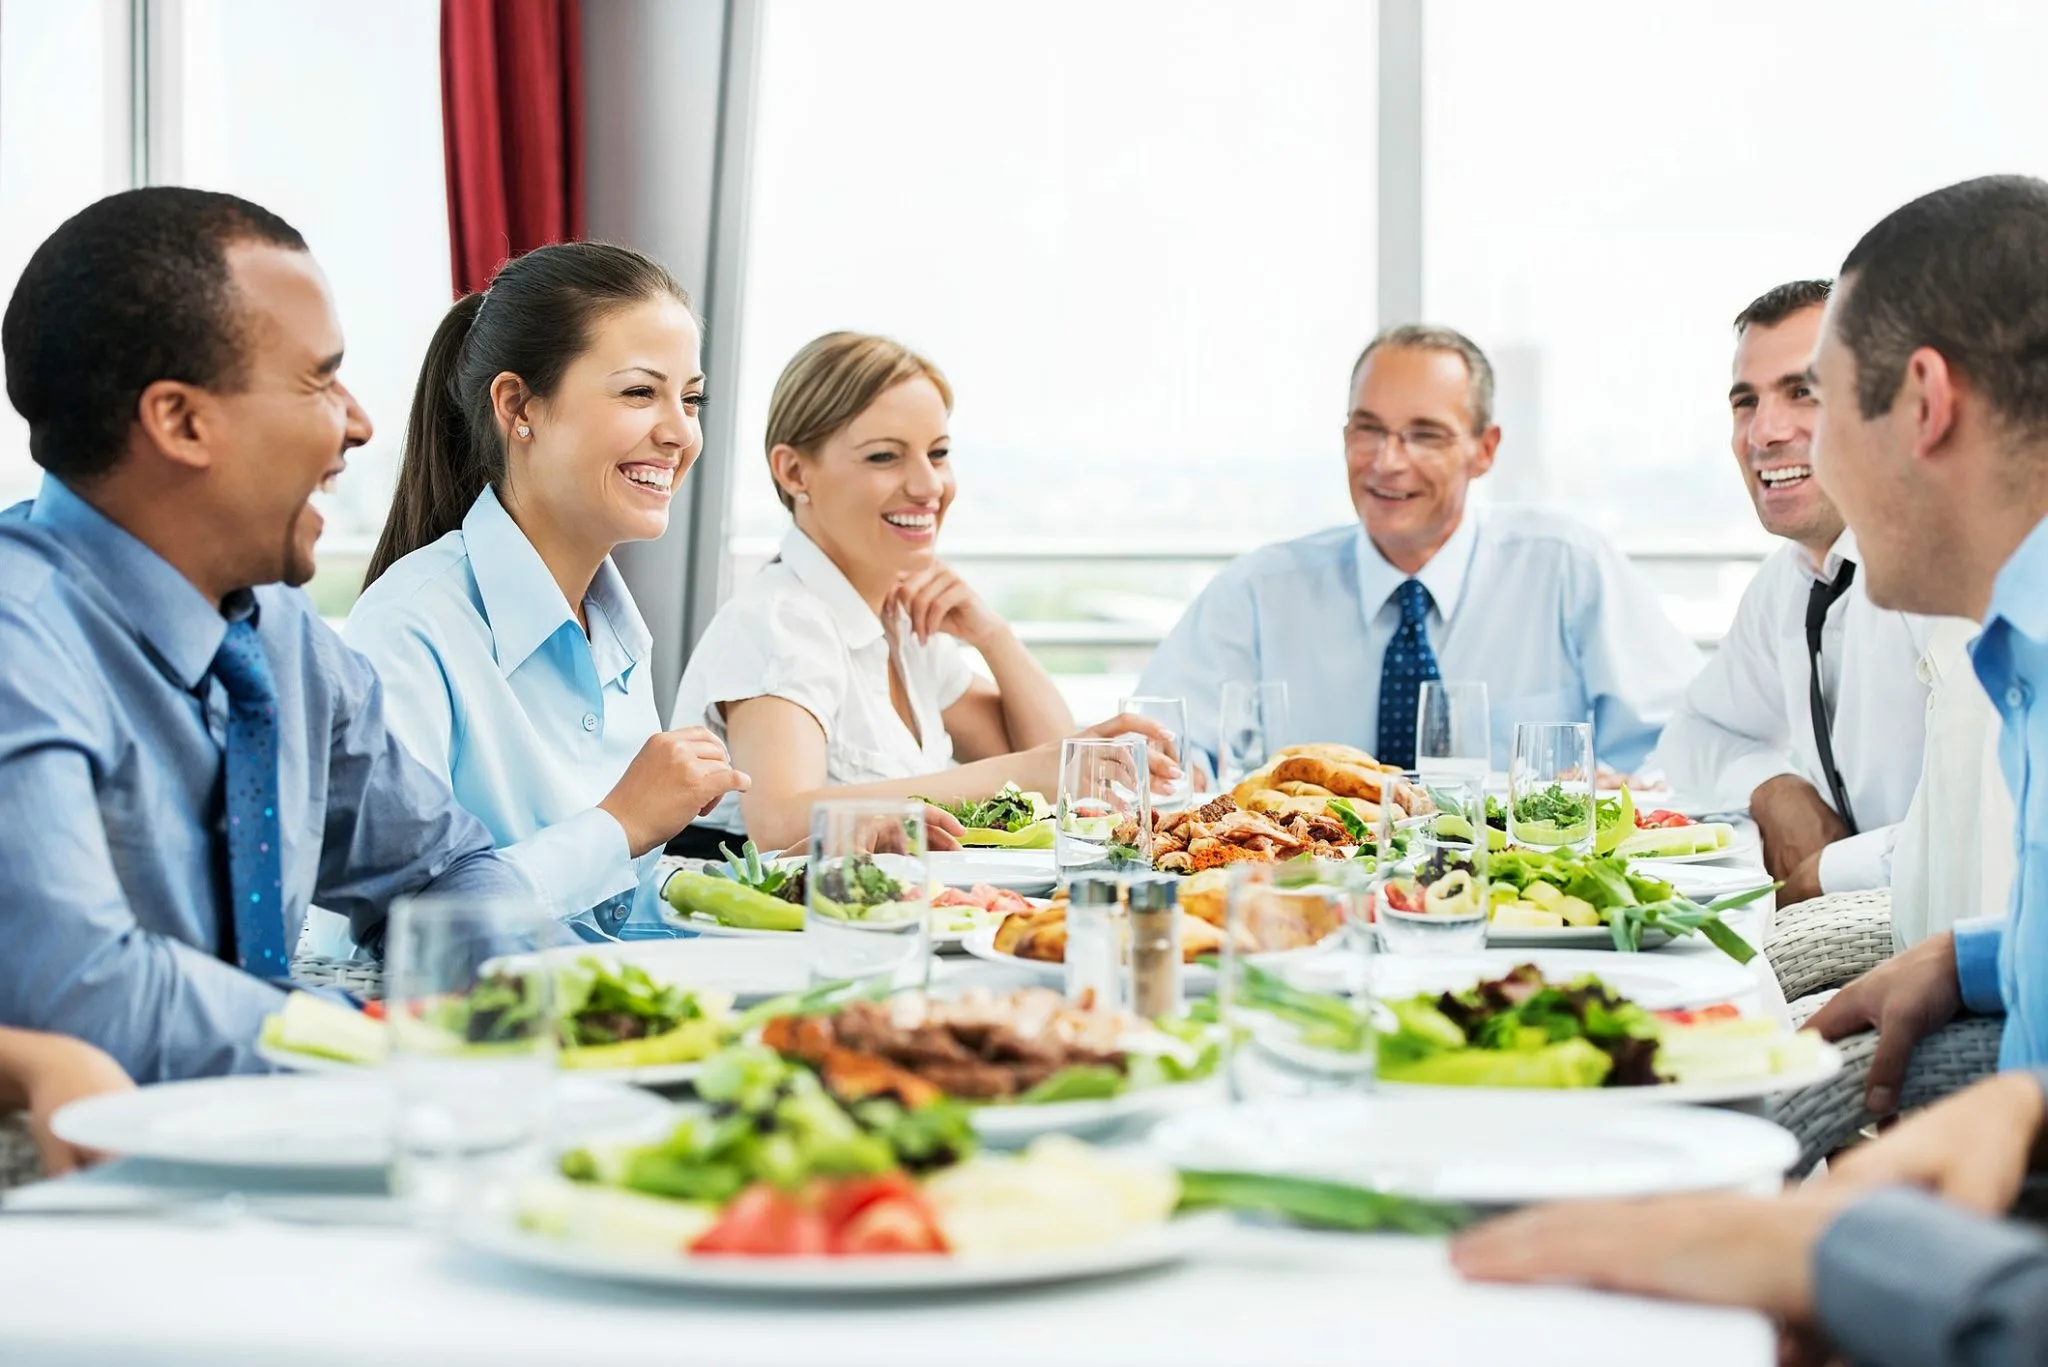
[85,1291]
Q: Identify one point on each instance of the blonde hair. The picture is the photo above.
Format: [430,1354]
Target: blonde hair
[831,382]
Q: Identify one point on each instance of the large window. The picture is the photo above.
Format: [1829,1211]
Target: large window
[64,125]
[331,116]
[1608,183]
[1138,237]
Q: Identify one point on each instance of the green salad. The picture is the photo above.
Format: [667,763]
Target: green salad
[1521,1031]
[1012,819]
[1627,903]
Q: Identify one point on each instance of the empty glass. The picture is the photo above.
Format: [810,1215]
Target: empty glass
[1103,821]
[472,1027]
[1453,730]
[1172,716]
[867,894]
[1550,786]
[1251,725]
[1437,902]
[1295,995]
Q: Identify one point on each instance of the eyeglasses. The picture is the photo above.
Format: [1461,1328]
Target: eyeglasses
[1420,442]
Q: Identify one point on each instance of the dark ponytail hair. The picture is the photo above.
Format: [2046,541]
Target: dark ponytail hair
[533,321]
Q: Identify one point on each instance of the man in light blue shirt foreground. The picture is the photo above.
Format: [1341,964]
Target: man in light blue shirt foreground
[1933,442]
[1557,624]
[188,756]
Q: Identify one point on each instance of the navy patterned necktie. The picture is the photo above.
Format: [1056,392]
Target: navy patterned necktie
[1407,664]
[255,862]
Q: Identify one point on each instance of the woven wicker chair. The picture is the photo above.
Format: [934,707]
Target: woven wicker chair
[1826,941]
[19,1162]
[363,977]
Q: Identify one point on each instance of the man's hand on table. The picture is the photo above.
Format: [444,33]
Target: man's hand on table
[1975,1148]
[1718,1249]
[48,1073]
[1796,824]
[1904,999]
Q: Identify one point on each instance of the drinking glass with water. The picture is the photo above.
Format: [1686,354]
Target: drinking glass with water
[471,1008]
[867,894]
[1172,716]
[1251,725]
[1103,822]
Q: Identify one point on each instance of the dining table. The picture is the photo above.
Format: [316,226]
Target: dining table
[143,1262]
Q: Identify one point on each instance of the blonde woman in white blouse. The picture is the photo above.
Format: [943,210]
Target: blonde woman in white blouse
[838,670]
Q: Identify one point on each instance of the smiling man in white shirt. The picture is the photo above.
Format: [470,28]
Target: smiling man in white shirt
[1826,767]
[1529,601]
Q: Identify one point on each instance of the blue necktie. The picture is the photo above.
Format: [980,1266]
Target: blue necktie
[1408,662]
[255,861]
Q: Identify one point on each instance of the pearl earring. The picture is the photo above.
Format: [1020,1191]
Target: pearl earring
[803,498]
[524,431]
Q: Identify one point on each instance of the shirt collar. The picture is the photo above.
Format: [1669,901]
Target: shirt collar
[2020,593]
[1444,576]
[165,608]
[1842,552]
[525,607]
[816,572]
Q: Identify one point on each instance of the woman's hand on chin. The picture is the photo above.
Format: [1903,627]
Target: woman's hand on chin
[939,602]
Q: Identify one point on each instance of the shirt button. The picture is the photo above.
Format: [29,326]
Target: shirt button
[590,721]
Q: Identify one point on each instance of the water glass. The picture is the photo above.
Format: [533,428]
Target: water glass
[473,1037]
[867,894]
[1251,725]
[1437,903]
[1295,993]
[1398,824]
[1172,716]
[1550,786]
[1103,821]
[1453,729]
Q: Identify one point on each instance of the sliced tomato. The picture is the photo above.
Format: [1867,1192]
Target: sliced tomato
[1402,896]
[870,1215]
[1722,1011]
[1664,820]
[954,897]
[767,1222]
[374,1010]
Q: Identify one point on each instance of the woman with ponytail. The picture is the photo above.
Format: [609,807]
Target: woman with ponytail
[554,417]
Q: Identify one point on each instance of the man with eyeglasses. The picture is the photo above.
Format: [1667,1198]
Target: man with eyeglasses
[1557,624]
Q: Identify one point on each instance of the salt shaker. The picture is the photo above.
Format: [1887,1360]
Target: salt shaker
[1095,943]
[1155,948]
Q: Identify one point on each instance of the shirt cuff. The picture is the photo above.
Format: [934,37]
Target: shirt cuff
[1901,1276]
[1859,862]
[577,863]
[1977,945]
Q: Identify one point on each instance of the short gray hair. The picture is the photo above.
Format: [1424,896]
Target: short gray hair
[1432,337]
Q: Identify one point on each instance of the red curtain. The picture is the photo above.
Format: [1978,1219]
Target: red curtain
[512,125]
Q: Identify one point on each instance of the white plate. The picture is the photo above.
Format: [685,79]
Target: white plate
[1151,1247]
[1194,977]
[651,1075]
[1564,937]
[700,924]
[330,1121]
[1825,1066]
[1485,1151]
[1013,1126]
[1745,845]
[1700,881]
[1656,982]
[1031,872]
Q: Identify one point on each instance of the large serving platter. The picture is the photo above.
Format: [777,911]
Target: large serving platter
[499,1234]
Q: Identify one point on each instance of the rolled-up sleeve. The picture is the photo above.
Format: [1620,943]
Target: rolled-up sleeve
[1978,941]
[1902,1278]
[1861,862]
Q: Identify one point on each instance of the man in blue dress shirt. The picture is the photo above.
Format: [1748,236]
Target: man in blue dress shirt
[1932,370]
[188,756]
[1934,443]
[1526,600]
